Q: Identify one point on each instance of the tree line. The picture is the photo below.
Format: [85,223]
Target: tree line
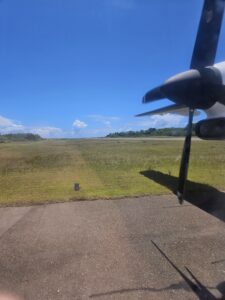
[173,132]
[19,137]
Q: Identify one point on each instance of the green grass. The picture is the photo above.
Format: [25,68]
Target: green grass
[43,171]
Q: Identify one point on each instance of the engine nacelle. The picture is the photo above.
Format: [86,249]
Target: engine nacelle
[196,88]
[211,129]
[221,68]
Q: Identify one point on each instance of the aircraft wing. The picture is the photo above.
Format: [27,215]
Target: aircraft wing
[178,109]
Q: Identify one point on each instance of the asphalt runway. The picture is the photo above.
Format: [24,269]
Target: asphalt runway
[137,248]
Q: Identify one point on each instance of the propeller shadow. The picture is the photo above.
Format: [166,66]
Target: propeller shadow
[201,195]
[201,291]
[175,286]
[189,282]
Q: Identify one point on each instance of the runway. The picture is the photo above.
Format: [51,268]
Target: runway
[134,248]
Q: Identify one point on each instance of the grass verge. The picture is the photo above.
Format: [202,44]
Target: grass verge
[45,171]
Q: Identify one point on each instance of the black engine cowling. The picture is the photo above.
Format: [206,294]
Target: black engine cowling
[211,129]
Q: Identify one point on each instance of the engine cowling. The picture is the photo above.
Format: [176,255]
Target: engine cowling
[221,68]
[195,88]
[211,129]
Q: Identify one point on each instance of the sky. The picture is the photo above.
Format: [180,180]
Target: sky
[79,68]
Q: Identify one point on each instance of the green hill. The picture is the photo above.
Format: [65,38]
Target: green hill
[20,137]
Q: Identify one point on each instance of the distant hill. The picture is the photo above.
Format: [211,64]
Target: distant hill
[151,132]
[19,137]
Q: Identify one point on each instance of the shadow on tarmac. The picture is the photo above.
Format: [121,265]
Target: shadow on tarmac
[201,291]
[206,198]
[201,195]
[195,285]
[175,286]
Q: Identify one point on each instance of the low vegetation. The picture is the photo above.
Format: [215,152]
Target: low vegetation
[46,170]
[151,132]
[19,137]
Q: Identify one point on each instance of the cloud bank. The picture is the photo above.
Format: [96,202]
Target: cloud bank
[96,126]
[162,121]
[11,126]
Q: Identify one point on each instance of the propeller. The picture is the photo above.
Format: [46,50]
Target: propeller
[185,157]
[205,48]
[180,109]
[203,55]
[200,87]
[169,108]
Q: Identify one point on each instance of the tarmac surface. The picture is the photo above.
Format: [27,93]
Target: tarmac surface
[136,248]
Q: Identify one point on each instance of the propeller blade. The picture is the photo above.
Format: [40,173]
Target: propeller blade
[208,34]
[176,109]
[162,110]
[185,158]
[153,95]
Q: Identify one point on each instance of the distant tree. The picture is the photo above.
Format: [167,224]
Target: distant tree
[151,132]
[19,137]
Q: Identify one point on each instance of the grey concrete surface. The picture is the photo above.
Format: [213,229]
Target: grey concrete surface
[104,250]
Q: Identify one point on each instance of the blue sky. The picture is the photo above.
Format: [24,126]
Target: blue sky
[79,68]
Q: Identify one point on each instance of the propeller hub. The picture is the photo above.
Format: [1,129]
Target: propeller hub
[196,89]
[183,88]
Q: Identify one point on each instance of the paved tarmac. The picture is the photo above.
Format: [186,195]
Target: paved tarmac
[137,248]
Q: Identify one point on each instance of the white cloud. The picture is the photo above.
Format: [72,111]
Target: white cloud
[162,121]
[4,122]
[79,124]
[109,124]
[9,126]
[47,131]
[103,126]
[156,121]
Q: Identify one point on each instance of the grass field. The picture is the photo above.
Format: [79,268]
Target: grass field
[43,171]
